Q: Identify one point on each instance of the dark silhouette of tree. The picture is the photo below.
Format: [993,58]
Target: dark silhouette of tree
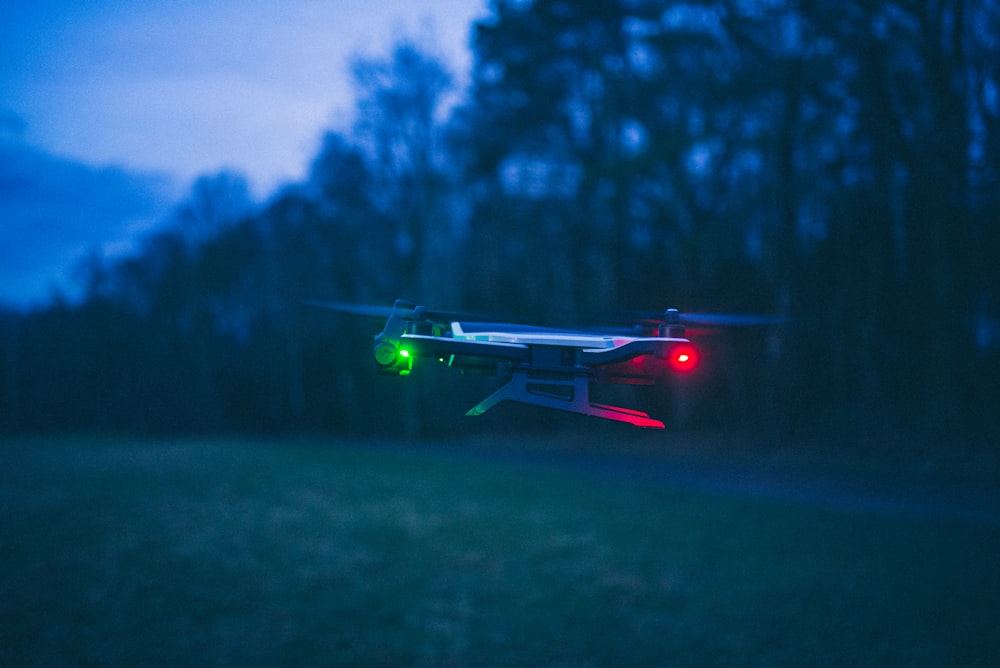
[838,162]
[398,127]
[214,202]
[400,107]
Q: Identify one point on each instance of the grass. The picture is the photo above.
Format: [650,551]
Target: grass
[214,552]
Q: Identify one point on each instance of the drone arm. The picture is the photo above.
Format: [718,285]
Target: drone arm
[437,346]
[659,347]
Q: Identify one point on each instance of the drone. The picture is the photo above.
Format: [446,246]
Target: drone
[543,366]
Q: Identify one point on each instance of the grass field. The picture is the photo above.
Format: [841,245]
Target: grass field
[209,552]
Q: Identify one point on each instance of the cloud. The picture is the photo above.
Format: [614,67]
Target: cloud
[193,87]
[55,211]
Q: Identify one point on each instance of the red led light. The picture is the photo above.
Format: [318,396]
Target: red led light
[683,359]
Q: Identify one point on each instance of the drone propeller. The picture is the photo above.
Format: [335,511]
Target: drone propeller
[642,319]
[732,319]
[672,316]
[382,312]
[366,310]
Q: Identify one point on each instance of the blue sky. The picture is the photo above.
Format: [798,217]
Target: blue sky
[142,96]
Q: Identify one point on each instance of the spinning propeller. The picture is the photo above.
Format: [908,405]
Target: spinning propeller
[707,319]
[382,312]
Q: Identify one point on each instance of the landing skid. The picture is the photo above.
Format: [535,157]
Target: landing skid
[565,394]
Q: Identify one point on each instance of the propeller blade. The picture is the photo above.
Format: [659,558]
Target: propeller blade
[367,310]
[732,319]
[648,318]
[709,319]
[383,312]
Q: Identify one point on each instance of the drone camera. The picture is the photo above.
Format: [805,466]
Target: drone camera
[392,360]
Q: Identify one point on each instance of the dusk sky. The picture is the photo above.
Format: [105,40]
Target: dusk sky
[108,110]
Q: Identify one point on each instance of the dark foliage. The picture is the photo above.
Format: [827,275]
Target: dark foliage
[835,162]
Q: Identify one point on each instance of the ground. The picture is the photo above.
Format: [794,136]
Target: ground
[332,552]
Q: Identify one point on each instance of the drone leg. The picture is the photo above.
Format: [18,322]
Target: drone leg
[567,394]
[558,393]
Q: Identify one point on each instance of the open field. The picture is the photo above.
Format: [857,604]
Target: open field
[207,552]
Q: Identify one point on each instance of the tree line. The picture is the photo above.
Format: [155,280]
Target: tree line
[834,162]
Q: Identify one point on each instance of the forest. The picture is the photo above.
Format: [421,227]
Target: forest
[833,162]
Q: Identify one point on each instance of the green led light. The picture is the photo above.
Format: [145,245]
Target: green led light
[403,352]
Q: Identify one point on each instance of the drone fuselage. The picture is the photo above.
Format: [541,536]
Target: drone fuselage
[545,366]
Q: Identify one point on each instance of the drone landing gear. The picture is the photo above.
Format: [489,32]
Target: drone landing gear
[566,394]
